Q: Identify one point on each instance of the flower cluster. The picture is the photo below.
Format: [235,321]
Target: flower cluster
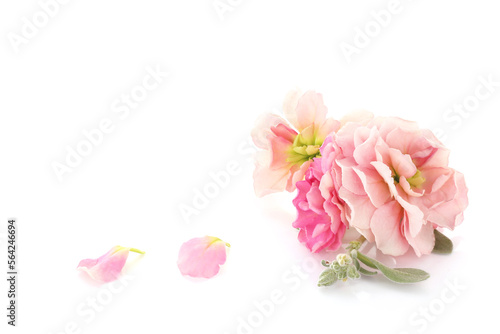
[382,176]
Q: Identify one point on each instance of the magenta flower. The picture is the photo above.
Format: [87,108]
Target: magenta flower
[319,219]
[202,257]
[290,147]
[108,267]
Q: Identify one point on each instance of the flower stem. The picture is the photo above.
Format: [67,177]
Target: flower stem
[361,240]
[135,250]
[356,244]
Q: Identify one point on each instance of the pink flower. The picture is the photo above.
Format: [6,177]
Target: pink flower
[108,267]
[290,147]
[396,183]
[202,257]
[319,219]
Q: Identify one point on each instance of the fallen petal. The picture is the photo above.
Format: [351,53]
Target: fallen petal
[202,257]
[108,267]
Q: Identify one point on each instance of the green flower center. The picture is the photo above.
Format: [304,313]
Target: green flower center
[415,181]
[304,149]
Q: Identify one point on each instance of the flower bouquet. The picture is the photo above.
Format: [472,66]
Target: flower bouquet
[384,177]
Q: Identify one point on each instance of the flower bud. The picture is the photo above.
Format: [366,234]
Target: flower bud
[344,260]
[353,273]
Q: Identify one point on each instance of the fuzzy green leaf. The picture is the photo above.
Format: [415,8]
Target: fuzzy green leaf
[398,275]
[327,277]
[367,272]
[443,245]
[366,260]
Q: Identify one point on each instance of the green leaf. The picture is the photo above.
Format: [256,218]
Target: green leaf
[363,270]
[366,260]
[398,275]
[327,277]
[367,272]
[356,263]
[443,245]
[404,275]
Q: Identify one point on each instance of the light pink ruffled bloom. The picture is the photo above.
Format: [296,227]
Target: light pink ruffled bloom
[202,257]
[395,180]
[319,217]
[108,267]
[289,147]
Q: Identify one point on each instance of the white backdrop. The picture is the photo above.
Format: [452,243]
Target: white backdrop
[174,88]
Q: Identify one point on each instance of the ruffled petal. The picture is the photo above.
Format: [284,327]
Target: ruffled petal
[387,229]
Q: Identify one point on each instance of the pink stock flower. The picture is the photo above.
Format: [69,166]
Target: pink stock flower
[108,267]
[202,257]
[290,147]
[395,180]
[319,217]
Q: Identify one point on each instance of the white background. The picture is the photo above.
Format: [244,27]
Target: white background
[223,73]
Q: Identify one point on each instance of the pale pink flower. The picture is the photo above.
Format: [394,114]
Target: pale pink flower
[289,147]
[395,180]
[319,220]
[108,267]
[202,257]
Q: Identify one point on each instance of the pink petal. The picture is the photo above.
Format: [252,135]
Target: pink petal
[423,243]
[388,124]
[328,127]
[266,180]
[285,132]
[400,140]
[202,257]
[365,141]
[359,116]
[350,180]
[386,226]
[402,163]
[280,147]
[310,110]
[449,212]
[385,172]
[403,182]
[375,186]
[262,130]
[362,210]
[413,216]
[107,267]
[290,106]
[297,174]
